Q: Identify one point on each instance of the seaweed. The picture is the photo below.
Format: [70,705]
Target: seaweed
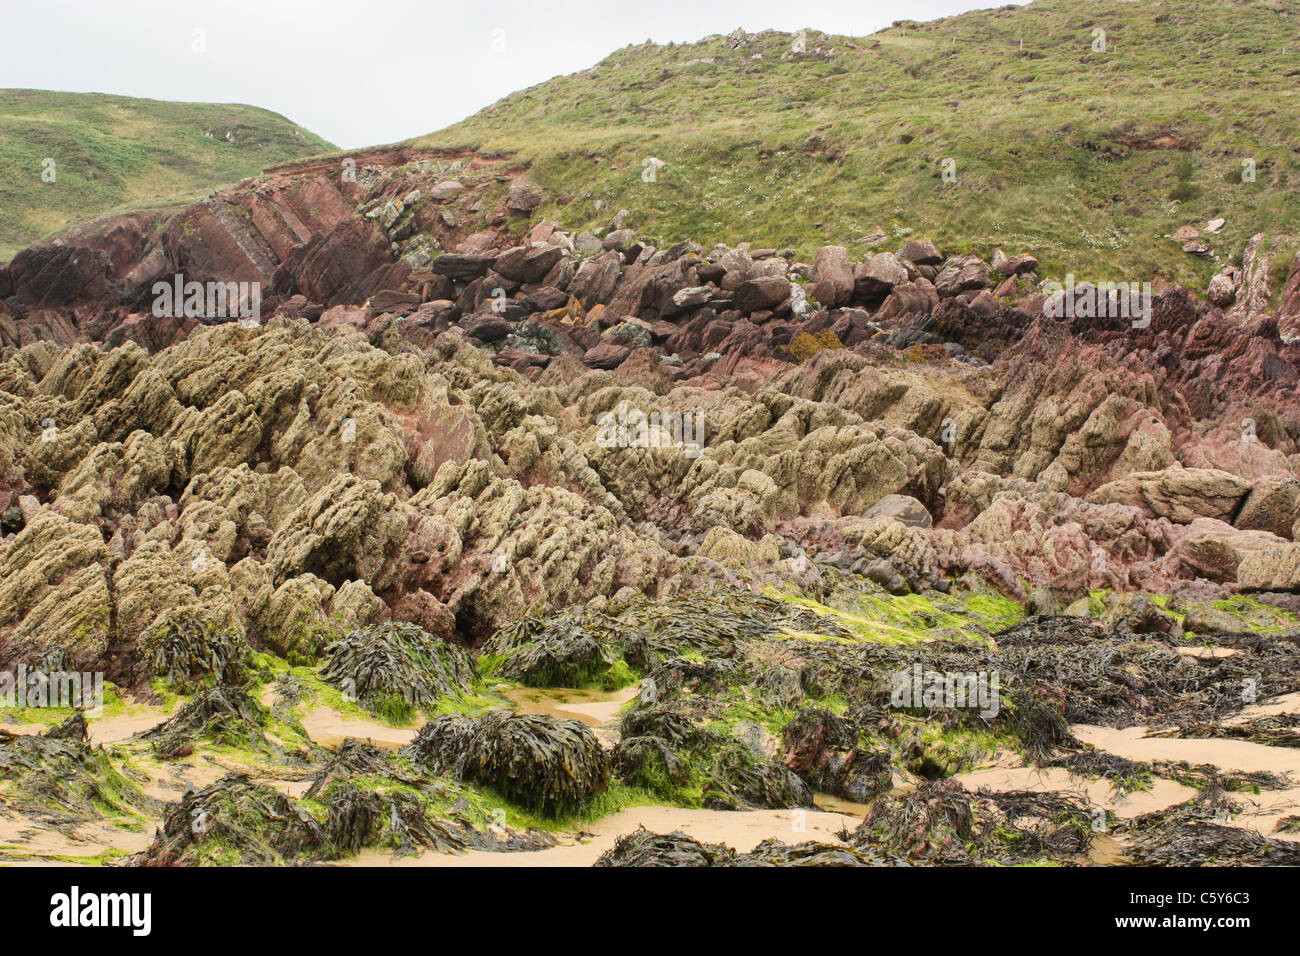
[1202,843]
[223,713]
[740,778]
[352,758]
[188,649]
[1273,730]
[776,853]
[650,763]
[643,848]
[537,761]
[60,776]
[359,818]
[397,666]
[235,821]
[943,823]
[1124,775]
[823,749]
[575,647]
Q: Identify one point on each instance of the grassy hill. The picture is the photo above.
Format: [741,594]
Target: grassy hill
[114,152]
[1089,159]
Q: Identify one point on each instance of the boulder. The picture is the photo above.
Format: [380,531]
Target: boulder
[960,275]
[879,275]
[764,293]
[1272,505]
[902,508]
[1271,569]
[921,252]
[1179,494]
[832,278]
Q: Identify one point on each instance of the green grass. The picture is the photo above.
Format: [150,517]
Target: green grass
[113,153]
[1050,140]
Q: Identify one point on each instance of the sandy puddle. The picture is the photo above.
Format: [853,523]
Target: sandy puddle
[832,804]
[593,707]
[1260,812]
[327,727]
[740,829]
[598,709]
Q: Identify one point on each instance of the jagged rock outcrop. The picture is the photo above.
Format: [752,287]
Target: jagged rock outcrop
[446,415]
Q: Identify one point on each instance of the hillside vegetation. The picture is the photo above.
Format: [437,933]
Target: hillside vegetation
[113,152]
[1090,159]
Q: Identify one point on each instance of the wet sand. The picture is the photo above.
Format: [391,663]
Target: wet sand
[1162,794]
[1240,755]
[1260,812]
[328,728]
[111,730]
[740,829]
[593,707]
[598,709]
[136,718]
[21,835]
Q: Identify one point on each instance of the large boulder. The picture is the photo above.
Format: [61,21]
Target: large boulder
[1271,569]
[833,280]
[764,293]
[1272,505]
[1214,550]
[1179,494]
[921,252]
[878,275]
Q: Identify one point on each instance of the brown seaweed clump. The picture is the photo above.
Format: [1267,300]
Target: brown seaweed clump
[576,647]
[60,777]
[235,821]
[535,760]
[1202,843]
[223,713]
[395,667]
[644,848]
[186,650]
[943,823]
[1198,832]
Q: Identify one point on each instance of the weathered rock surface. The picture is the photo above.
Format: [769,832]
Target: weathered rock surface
[447,415]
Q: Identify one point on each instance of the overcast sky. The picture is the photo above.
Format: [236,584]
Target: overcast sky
[366,72]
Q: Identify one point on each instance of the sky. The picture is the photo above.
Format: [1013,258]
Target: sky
[368,72]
